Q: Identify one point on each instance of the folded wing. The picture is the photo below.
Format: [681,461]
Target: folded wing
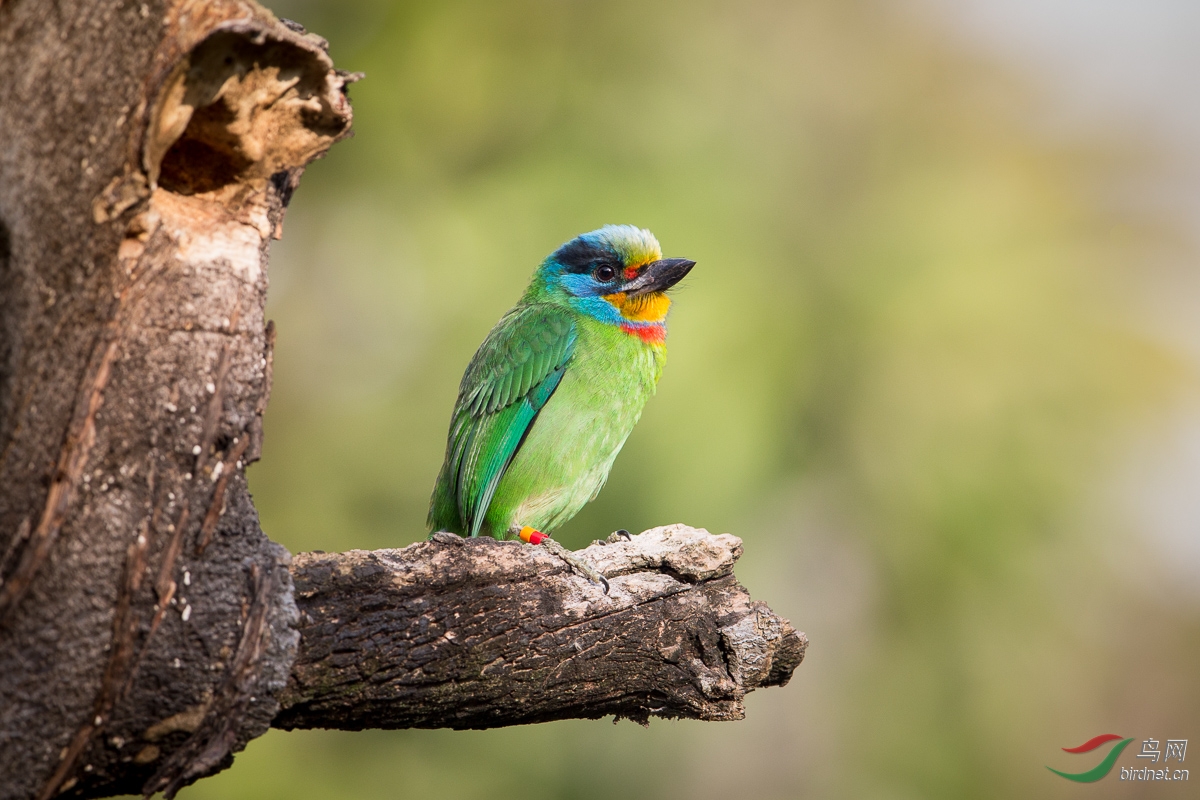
[513,374]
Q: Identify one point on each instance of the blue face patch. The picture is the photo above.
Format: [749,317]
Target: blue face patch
[584,285]
[584,293]
[599,308]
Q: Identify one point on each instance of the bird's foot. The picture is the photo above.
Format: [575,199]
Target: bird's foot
[575,562]
[616,536]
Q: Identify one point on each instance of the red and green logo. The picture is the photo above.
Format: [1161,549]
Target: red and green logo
[1104,767]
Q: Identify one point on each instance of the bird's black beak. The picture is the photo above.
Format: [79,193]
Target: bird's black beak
[658,276]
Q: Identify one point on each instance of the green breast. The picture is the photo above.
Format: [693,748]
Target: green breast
[569,450]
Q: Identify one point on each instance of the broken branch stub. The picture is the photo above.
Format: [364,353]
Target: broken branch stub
[475,633]
[246,104]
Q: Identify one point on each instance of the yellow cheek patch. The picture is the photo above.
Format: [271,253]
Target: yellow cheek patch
[642,308]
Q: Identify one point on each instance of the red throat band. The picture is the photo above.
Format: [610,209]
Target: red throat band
[650,334]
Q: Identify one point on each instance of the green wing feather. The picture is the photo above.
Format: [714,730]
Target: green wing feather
[513,374]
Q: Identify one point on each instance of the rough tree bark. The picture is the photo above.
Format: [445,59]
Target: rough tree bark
[477,634]
[148,628]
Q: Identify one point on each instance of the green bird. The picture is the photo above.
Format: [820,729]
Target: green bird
[555,389]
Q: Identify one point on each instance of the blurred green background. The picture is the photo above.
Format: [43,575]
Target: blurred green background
[920,369]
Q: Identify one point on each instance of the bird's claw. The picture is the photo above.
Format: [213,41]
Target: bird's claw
[615,537]
[575,562]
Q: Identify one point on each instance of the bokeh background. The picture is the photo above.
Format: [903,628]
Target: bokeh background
[937,366]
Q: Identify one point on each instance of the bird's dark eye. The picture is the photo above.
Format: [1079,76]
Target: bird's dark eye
[604,273]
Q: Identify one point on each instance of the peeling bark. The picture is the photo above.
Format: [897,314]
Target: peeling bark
[148,627]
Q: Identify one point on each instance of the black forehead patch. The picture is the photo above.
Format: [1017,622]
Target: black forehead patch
[579,255]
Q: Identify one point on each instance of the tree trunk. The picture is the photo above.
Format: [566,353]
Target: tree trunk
[148,628]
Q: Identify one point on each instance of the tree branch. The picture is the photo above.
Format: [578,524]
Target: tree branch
[466,633]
